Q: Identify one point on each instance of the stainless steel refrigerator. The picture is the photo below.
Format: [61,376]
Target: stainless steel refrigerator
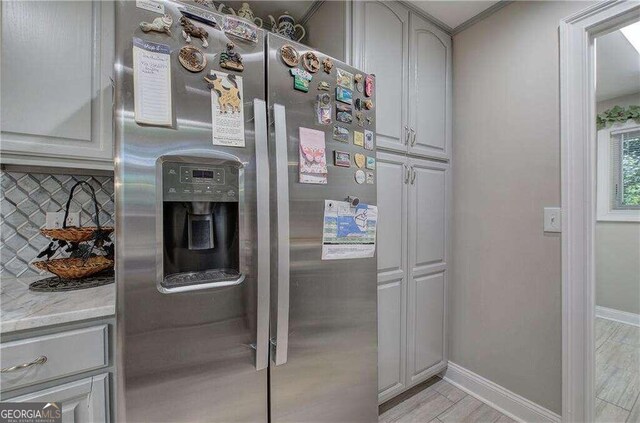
[226,310]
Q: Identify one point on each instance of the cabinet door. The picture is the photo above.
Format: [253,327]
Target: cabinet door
[429,90]
[83,401]
[57,61]
[427,253]
[392,262]
[381,48]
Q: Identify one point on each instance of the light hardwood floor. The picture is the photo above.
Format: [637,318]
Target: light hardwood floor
[617,387]
[617,372]
[442,403]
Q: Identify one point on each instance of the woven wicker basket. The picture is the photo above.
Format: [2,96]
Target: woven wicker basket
[74,233]
[75,268]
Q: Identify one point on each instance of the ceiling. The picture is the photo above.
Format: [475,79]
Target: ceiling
[617,67]
[453,13]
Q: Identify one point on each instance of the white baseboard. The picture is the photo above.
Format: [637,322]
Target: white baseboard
[503,400]
[618,315]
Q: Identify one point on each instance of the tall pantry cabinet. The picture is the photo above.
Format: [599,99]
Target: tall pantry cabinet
[411,59]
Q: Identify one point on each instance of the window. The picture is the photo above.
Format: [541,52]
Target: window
[626,169]
[619,173]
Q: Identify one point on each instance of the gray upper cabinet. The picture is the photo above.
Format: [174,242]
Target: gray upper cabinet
[381,47]
[430,90]
[56,84]
[411,59]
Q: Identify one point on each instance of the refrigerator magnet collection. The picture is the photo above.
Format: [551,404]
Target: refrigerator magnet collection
[194,60]
[246,260]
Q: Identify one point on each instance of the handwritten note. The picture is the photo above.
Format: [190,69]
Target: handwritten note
[152,83]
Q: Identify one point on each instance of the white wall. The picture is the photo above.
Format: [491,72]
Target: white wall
[618,266]
[625,101]
[618,250]
[505,311]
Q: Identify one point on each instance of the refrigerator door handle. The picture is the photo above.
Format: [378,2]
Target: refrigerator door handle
[263,239]
[282,206]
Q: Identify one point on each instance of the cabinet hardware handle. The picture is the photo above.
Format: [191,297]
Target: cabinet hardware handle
[413,175]
[407,173]
[413,137]
[40,360]
[407,135]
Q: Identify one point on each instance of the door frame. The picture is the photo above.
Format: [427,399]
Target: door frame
[578,185]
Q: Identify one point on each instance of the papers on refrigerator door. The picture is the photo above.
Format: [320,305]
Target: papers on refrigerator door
[227,110]
[313,158]
[348,232]
[152,83]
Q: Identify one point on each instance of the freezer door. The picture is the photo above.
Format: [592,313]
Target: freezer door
[199,355]
[323,313]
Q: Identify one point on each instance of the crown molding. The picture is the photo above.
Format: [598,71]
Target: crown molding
[310,11]
[437,22]
[481,16]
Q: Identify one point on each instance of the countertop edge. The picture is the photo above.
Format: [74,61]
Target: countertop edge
[42,322]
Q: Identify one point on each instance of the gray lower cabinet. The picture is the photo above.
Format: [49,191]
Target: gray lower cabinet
[56,67]
[71,364]
[393,205]
[413,251]
[428,252]
[82,401]
[57,355]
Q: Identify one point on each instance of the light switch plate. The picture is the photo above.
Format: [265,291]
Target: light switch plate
[552,219]
[54,219]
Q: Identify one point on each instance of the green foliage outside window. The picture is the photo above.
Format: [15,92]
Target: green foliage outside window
[630,167]
[628,155]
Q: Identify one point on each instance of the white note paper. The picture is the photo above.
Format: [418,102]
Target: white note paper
[150,5]
[152,83]
[348,232]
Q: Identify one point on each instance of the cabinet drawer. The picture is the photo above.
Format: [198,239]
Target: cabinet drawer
[67,353]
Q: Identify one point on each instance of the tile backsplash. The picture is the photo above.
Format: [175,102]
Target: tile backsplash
[25,198]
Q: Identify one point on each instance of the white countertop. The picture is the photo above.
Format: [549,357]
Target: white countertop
[22,309]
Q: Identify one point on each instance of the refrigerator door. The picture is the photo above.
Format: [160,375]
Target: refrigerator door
[323,313]
[199,355]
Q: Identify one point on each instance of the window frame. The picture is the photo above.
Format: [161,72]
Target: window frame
[605,209]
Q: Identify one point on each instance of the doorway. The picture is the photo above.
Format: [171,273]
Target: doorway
[599,370]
